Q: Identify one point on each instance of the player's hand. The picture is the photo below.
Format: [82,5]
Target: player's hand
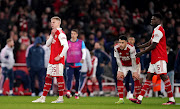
[82,61]
[93,79]
[120,75]
[57,58]
[135,75]
[102,65]
[143,71]
[138,54]
[53,31]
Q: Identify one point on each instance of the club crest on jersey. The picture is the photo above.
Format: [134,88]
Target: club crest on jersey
[55,36]
[120,53]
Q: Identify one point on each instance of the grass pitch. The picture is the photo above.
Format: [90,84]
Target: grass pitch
[24,102]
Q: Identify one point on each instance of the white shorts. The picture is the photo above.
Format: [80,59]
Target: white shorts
[55,69]
[159,67]
[126,69]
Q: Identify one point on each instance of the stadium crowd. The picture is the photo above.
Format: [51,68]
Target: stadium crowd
[100,21]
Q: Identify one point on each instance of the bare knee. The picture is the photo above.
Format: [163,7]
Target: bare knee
[164,77]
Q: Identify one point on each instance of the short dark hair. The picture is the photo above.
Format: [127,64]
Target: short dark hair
[123,37]
[75,30]
[158,15]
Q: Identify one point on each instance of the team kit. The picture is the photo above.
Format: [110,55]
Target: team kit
[127,60]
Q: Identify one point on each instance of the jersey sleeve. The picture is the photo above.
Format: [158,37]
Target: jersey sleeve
[157,36]
[133,52]
[63,39]
[83,45]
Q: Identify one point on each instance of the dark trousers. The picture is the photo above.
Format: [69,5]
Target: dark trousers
[100,71]
[129,79]
[69,77]
[8,73]
[40,74]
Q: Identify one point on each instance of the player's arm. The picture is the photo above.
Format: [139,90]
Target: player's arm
[83,52]
[63,39]
[134,64]
[119,72]
[145,44]
[95,67]
[49,41]
[88,57]
[157,37]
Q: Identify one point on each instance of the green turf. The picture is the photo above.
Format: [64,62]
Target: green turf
[24,102]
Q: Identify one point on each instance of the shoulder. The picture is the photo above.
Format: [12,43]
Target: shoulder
[116,46]
[130,46]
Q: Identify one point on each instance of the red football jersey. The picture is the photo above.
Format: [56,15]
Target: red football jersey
[125,55]
[159,53]
[56,48]
[94,64]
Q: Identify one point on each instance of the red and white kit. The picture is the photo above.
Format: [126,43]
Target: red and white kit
[124,58]
[58,41]
[92,72]
[159,54]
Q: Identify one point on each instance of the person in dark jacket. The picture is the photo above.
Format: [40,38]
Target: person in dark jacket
[35,65]
[103,59]
[177,67]
[170,65]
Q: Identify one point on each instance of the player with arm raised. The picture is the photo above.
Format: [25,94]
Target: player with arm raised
[59,47]
[158,65]
[126,60]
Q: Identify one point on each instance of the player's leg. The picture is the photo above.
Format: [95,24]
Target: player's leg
[146,85]
[137,84]
[120,86]
[69,78]
[132,86]
[60,81]
[83,79]
[90,87]
[161,69]
[77,75]
[99,79]
[32,81]
[47,85]
[168,89]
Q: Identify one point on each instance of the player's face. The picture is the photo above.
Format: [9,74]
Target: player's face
[122,44]
[154,21]
[74,35]
[131,40]
[55,23]
[97,46]
[11,44]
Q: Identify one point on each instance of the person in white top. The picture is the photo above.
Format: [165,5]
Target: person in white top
[7,59]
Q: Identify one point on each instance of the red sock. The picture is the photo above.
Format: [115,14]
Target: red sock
[60,81]
[137,87]
[120,88]
[168,87]
[47,85]
[145,87]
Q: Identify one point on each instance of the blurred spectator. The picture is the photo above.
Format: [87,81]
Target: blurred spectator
[177,67]
[7,59]
[170,65]
[35,65]
[103,59]
[21,78]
